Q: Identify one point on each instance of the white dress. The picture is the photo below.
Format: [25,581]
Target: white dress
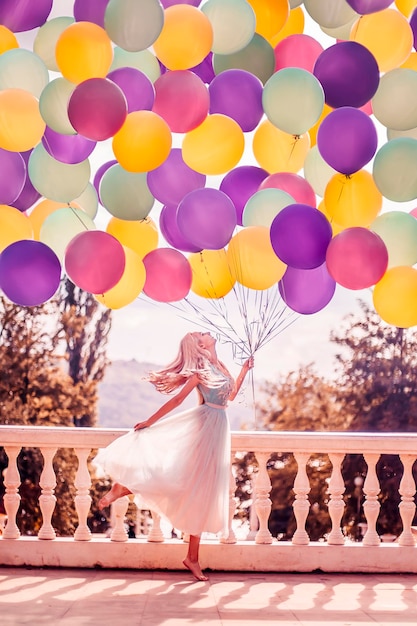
[180,466]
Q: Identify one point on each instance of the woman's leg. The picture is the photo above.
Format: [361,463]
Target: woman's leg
[116,492]
[191,560]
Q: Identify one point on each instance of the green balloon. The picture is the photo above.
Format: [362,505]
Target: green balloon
[398,230]
[134,25]
[23,69]
[395,169]
[126,195]
[53,105]
[144,60]
[257,57]
[63,225]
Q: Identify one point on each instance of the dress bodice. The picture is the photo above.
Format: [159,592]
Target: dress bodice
[219,393]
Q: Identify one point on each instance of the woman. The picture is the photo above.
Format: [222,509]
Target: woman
[180,466]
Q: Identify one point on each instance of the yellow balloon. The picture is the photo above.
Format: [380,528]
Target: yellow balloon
[143,142]
[387,34]
[336,228]
[411,62]
[40,212]
[406,7]
[129,286]
[212,277]
[8,39]
[276,151]
[252,259]
[353,200]
[14,226]
[186,37]
[83,50]
[141,236]
[395,297]
[314,129]
[293,26]
[214,147]
[21,124]
[271,16]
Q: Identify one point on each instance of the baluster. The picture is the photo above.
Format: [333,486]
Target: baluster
[47,499]
[82,499]
[11,497]
[301,504]
[155,534]
[262,502]
[118,515]
[231,537]
[371,505]
[407,506]
[336,503]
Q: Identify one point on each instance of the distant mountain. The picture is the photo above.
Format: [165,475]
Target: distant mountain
[126,397]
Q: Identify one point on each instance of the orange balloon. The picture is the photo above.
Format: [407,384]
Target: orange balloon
[14,226]
[406,7]
[129,286]
[83,50]
[212,277]
[293,26]
[21,124]
[411,62]
[353,200]
[336,228]
[8,39]
[395,296]
[40,212]
[271,16]
[314,129]
[141,236]
[276,151]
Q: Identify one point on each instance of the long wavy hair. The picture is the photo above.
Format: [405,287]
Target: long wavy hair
[191,359]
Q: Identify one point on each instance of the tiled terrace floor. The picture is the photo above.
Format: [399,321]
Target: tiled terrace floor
[72,597]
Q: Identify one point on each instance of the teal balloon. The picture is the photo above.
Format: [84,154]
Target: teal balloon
[395,169]
[257,57]
[398,230]
[23,69]
[61,226]
[126,195]
[264,205]
[53,105]
[143,60]
[134,25]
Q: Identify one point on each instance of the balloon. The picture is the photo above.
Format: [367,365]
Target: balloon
[46,38]
[317,172]
[30,273]
[270,16]
[95,261]
[8,39]
[97,108]
[39,213]
[136,87]
[398,231]
[395,297]
[395,169]
[83,51]
[252,260]
[20,15]
[144,60]
[168,275]
[172,180]
[300,235]
[207,218]
[28,195]
[347,139]
[141,236]
[336,228]
[13,174]
[61,226]
[392,104]
[329,13]
[307,291]
[56,180]
[413,25]
[297,50]
[387,35]
[87,201]
[67,148]
[125,194]
[133,25]
[240,184]
[14,225]
[129,286]
[99,175]
[168,224]
[293,184]
[293,26]
[314,129]
[21,125]
[91,11]
[264,205]
[233,23]
[53,105]
[277,151]
[357,258]
[186,37]
[257,58]
[348,73]
[23,69]
[215,146]
[181,99]
[293,100]
[204,70]
[143,142]
[238,94]
[212,277]
[353,200]
[405,6]
[363,7]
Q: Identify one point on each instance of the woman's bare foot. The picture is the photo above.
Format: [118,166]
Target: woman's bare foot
[116,492]
[195,569]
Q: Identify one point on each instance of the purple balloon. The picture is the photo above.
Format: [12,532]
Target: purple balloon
[207,218]
[347,139]
[413,24]
[91,11]
[170,231]
[29,272]
[13,176]
[364,7]
[300,235]
[348,73]
[307,291]
[172,180]
[136,86]
[205,69]
[22,15]
[237,94]
[240,184]
[29,195]
[69,149]
[99,175]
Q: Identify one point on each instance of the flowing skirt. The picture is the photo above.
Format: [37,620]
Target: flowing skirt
[179,467]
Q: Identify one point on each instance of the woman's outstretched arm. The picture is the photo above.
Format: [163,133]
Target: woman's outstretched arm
[248,365]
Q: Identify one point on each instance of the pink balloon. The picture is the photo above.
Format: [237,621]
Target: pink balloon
[297,51]
[168,275]
[95,261]
[181,99]
[413,212]
[295,185]
[357,258]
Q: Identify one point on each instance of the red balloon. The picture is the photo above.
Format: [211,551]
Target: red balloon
[168,275]
[181,99]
